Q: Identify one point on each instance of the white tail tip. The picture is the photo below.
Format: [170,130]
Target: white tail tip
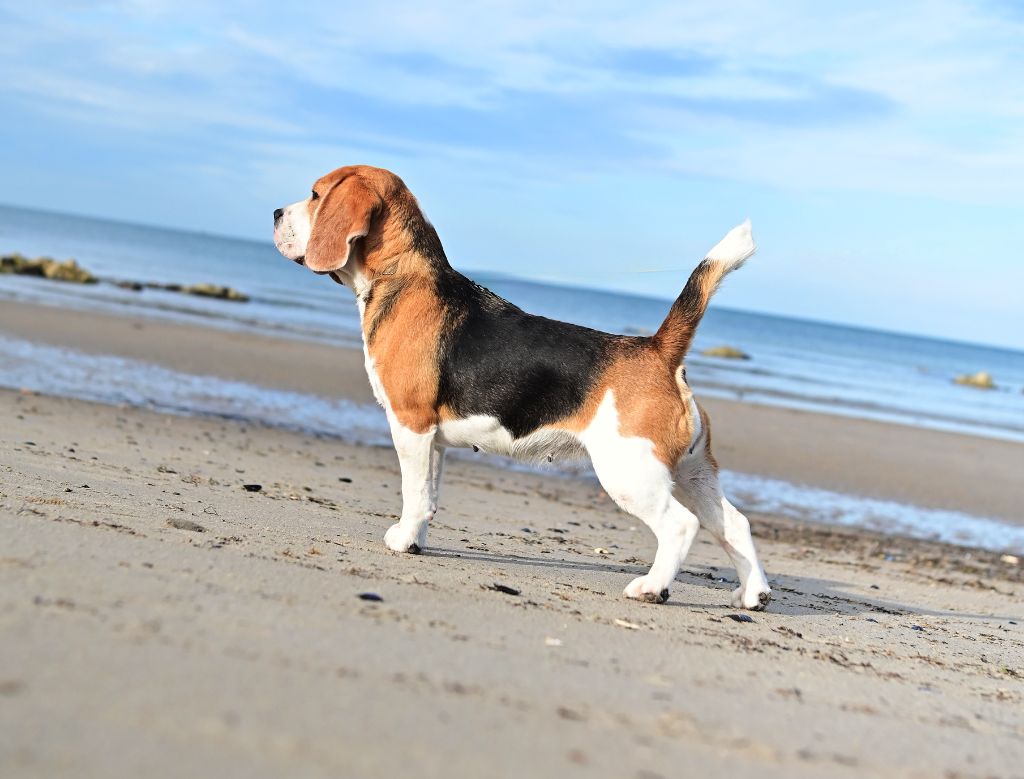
[737,246]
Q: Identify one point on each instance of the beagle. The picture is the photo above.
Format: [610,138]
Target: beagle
[454,365]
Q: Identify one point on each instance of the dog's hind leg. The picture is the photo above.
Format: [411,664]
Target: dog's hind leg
[643,489]
[420,460]
[641,485]
[700,491]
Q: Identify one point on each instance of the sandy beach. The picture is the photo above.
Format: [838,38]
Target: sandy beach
[160,619]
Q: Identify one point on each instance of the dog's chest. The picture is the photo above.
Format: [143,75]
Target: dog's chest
[375,383]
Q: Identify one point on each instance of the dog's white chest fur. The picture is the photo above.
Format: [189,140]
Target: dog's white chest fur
[375,382]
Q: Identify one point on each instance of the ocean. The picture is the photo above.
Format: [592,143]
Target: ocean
[794,363]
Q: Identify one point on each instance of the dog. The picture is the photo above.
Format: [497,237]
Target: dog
[454,365]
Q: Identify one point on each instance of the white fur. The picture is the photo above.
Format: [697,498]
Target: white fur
[292,230]
[486,433]
[698,427]
[736,247]
[631,474]
[698,489]
[421,460]
[360,284]
[375,383]
[421,464]
[642,486]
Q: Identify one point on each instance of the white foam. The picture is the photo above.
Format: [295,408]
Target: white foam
[758,494]
[118,381]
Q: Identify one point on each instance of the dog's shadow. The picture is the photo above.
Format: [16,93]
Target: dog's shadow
[791,595]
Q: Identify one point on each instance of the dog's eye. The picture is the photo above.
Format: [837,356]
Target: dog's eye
[314,196]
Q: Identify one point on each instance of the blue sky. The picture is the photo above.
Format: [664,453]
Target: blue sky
[878,147]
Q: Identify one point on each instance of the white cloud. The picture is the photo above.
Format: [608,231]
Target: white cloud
[941,82]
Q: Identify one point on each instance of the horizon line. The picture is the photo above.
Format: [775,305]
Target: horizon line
[559,284]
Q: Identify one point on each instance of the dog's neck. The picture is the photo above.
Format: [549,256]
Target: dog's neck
[360,279]
[387,280]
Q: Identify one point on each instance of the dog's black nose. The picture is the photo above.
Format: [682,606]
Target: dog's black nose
[278,213]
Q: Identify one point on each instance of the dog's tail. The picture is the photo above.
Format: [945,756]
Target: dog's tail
[676,332]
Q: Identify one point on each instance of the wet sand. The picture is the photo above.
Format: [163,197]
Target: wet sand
[158,619]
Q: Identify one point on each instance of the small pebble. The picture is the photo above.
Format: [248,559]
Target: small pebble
[370,596]
[186,524]
[740,617]
[252,487]
[503,588]
[345,479]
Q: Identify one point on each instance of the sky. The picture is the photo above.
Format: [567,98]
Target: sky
[877,146]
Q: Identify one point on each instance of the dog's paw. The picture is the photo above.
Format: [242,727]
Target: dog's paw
[642,588]
[754,598]
[399,539]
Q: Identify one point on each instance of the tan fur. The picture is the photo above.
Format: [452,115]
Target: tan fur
[346,212]
[360,195]
[676,333]
[651,399]
[403,341]
[404,352]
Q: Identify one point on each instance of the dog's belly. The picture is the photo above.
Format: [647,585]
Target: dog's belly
[486,433]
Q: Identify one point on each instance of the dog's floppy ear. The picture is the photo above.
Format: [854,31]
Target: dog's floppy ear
[344,216]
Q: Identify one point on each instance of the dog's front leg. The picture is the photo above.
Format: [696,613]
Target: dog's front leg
[436,471]
[420,460]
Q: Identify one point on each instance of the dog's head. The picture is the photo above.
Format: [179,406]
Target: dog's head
[353,215]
